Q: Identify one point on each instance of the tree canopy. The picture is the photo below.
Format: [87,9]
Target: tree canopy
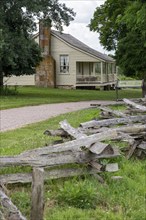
[19,54]
[122,27]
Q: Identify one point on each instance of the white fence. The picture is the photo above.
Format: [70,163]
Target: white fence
[26,80]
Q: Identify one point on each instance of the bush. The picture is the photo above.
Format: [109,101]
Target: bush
[6,91]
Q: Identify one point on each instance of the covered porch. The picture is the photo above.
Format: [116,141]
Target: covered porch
[95,73]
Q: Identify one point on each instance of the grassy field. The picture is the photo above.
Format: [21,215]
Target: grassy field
[27,96]
[78,198]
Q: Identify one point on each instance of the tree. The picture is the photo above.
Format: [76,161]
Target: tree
[131,50]
[121,25]
[105,21]
[19,54]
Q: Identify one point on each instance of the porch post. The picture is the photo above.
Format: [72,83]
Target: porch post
[101,72]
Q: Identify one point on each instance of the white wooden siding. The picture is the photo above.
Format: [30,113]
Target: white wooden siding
[57,48]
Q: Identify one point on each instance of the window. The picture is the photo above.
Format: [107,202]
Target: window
[64,64]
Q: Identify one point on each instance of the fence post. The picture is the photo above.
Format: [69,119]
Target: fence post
[116,88]
[37,199]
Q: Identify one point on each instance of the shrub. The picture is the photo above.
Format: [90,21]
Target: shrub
[8,91]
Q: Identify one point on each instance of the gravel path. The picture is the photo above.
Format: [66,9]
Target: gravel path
[18,117]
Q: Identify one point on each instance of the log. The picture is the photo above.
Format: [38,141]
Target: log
[75,133]
[125,137]
[142,108]
[112,112]
[73,146]
[107,104]
[132,149]
[52,174]
[37,198]
[96,166]
[138,136]
[92,131]
[53,160]
[15,178]
[132,128]
[113,121]
[9,210]
[65,153]
[2,216]
[142,146]
[45,160]
[130,111]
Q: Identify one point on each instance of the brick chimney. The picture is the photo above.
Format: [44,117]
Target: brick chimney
[45,72]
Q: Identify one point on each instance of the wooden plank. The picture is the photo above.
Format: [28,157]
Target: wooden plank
[128,129]
[45,160]
[106,104]
[101,148]
[129,102]
[132,149]
[142,146]
[106,155]
[37,198]
[53,160]
[125,137]
[9,210]
[16,178]
[113,121]
[112,112]
[74,145]
[75,133]
[96,165]
[112,167]
[52,174]
[2,216]
[65,153]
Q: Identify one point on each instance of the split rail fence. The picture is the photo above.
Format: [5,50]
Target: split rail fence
[87,146]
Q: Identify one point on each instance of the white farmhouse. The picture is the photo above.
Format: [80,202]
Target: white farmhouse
[67,62]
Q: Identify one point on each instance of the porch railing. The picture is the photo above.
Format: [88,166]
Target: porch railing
[86,79]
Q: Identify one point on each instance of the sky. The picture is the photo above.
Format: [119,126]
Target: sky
[78,28]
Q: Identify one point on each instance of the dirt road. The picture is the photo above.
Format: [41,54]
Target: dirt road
[17,117]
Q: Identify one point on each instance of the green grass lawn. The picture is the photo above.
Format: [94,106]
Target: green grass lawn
[27,96]
[116,200]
